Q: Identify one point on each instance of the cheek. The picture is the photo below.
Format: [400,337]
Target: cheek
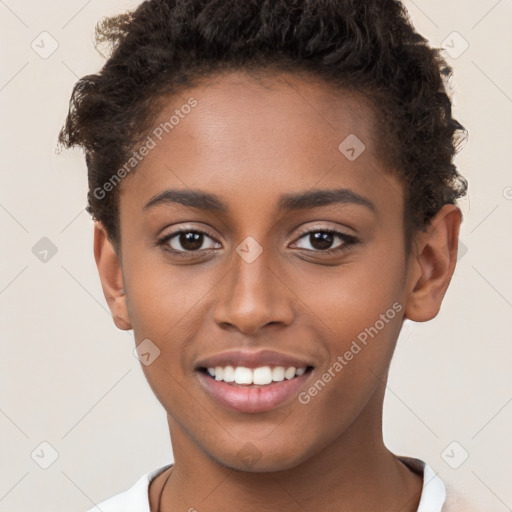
[360,310]
[361,338]
[352,297]
[161,295]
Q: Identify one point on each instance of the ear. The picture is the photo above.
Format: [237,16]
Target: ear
[109,268]
[432,265]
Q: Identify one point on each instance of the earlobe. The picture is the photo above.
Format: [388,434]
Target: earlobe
[433,265]
[110,272]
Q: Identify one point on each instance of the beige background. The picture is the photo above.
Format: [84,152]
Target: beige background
[68,376]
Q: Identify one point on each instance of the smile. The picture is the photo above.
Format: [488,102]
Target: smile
[260,376]
[253,390]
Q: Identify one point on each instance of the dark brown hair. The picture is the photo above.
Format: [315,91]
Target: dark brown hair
[371,47]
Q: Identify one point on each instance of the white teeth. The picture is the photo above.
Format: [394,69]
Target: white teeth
[260,376]
[289,373]
[242,375]
[278,374]
[229,374]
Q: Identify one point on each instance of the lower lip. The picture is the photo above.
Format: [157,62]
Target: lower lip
[252,398]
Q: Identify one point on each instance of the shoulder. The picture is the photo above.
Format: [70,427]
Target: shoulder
[436,496]
[457,502]
[433,493]
[133,499]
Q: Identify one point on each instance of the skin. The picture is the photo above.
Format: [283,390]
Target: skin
[249,142]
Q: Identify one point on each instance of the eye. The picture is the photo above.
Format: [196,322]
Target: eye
[187,241]
[321,240]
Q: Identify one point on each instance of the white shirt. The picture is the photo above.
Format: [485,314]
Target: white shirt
[136,498]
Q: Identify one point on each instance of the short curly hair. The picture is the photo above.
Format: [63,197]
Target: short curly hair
[164,46]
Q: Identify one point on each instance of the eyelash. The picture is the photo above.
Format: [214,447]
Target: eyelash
[348,241]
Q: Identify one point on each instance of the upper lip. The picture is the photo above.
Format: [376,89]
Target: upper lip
[252,359]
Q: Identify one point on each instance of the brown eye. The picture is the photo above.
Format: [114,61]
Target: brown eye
[188,240]
[322,240]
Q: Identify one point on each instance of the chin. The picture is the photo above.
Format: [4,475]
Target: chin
[252,459]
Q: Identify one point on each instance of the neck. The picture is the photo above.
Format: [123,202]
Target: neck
[355,472]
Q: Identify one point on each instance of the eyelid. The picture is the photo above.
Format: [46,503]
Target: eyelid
[325,228]
[188,229]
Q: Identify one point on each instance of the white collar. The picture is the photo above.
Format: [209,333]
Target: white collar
[433,493]
[136,498]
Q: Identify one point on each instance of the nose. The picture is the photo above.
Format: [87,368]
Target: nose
[252,295]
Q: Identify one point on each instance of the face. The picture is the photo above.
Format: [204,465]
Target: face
[295,258]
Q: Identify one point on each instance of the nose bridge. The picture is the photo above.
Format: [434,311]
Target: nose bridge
[249,281]
[250,298]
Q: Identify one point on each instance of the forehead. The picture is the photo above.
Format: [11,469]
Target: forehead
[275,108]
[249,134]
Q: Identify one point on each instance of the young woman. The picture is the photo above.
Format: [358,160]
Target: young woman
[274,193]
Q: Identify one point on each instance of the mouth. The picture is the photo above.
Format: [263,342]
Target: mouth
[254,377]
[253,390]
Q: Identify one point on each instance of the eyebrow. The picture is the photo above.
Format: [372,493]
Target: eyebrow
[294,201]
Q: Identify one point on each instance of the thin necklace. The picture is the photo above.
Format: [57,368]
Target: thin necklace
[162,491]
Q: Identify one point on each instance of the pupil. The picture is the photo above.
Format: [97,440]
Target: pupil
[191,241]
[321,240]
